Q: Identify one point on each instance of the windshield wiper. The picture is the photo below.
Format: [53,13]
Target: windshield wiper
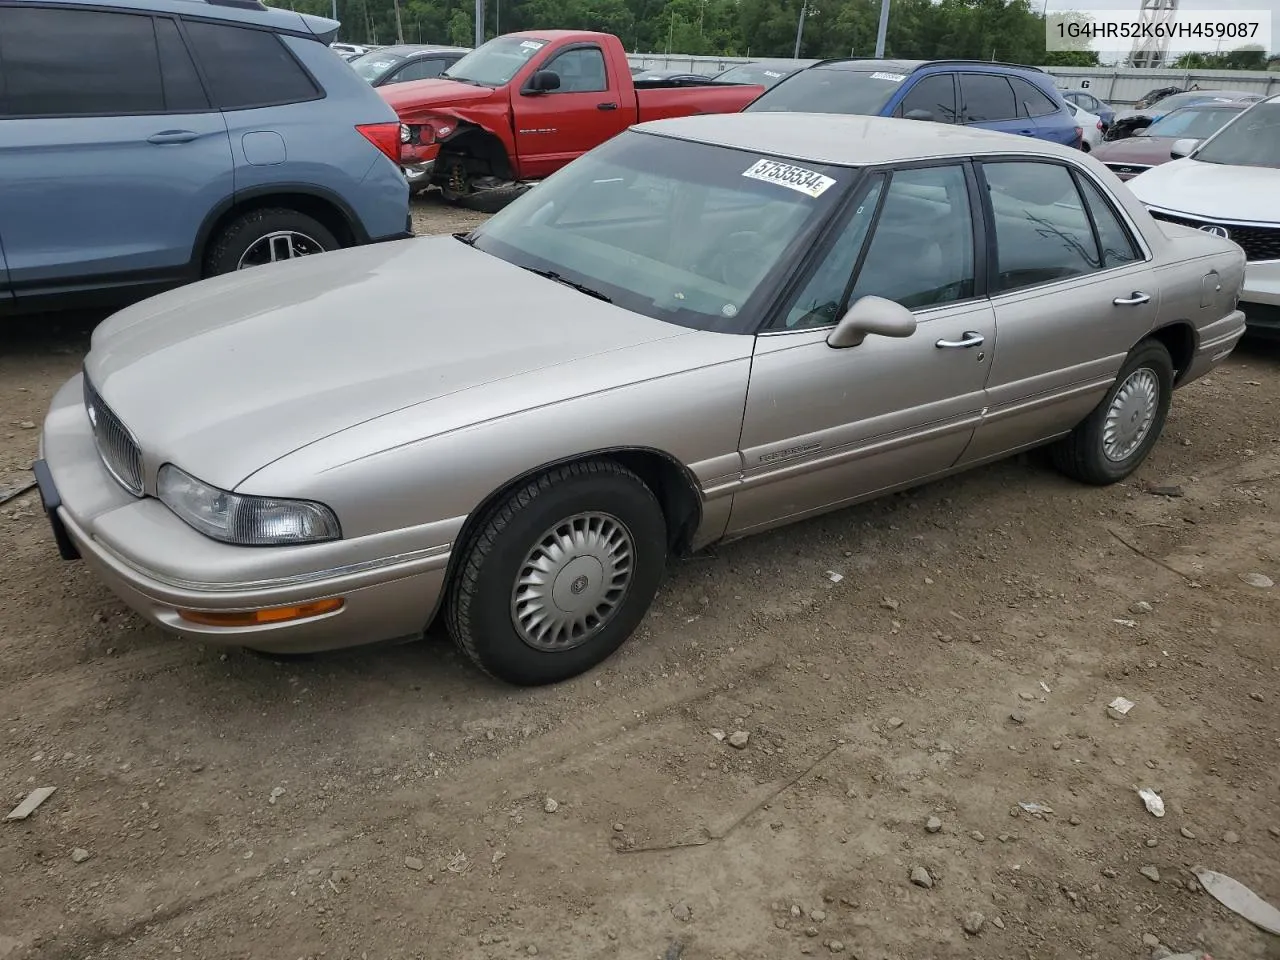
[580,287]
[474,83]
[466,238]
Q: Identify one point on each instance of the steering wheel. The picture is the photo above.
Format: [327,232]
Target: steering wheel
[739,261]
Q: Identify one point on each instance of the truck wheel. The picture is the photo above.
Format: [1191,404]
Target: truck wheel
[266,236]
[559,575]
[459,187]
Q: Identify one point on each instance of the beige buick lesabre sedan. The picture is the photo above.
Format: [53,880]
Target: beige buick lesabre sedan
[705,328]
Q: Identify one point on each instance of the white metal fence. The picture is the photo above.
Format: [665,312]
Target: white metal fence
[1120,86]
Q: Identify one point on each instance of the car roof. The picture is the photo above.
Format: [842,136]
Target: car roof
[845,140]
[411,49]
[239,11]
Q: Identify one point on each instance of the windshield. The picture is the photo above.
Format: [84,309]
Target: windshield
[371,66]
[1197,122]
[830,91]
[1251,140]
[682,232]
[753,73]
[496,62]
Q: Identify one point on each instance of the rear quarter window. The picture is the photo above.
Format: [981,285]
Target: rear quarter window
[1033,101]
[248,68]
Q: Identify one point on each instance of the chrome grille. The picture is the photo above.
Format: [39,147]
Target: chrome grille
[1128,169]
[116,446]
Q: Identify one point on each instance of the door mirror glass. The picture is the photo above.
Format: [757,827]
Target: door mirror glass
[544,81]
[872,316]
[1183,148]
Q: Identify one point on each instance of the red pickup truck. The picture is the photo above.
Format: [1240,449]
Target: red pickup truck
[523,105]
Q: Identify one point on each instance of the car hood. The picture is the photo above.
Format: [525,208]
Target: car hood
[417,97]
[227,375]
[1211,190]
[1144,150]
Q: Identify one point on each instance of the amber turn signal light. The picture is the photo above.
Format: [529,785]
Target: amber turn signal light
[254,618]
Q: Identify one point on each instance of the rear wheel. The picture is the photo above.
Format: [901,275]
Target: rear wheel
[265,236]
[1116,437]
[559,575]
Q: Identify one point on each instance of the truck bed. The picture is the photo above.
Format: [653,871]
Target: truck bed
[682,101]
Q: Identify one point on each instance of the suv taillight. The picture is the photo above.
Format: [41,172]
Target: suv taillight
[384,136]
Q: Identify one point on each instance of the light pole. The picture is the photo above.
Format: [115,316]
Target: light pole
[805,10]
[884,28]
[479,22]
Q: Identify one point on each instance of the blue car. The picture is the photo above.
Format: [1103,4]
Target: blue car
[148,143]
[995,96]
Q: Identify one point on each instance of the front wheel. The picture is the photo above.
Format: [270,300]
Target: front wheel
[1111,443]
[559,575]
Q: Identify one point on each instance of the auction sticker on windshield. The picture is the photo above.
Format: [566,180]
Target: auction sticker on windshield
[808,182]
[895,77]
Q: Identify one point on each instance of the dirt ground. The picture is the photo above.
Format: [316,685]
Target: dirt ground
[392,803]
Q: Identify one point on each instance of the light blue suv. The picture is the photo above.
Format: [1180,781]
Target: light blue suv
[148,143]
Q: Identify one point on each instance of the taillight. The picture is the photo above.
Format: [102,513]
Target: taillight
[384,136]
[1079,135]
[1099,124]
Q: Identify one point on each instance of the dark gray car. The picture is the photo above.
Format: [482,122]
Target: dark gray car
[402,64]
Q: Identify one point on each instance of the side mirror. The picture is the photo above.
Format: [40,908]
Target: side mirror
[919,114]
[544,81]
[1183,148]
[872,315]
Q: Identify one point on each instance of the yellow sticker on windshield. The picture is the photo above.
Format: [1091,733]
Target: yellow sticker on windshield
[808,182]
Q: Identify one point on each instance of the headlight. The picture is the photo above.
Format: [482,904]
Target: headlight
[249,521]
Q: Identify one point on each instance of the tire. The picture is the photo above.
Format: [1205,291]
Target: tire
[492,199]
[482,601]
[1083,454]
[238,238]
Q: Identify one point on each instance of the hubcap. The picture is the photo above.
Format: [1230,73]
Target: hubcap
[1129,418]
[572,581]
[280,245]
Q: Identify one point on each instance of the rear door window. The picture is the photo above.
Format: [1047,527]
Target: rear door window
[423,69]
[78,63]
[183,92]
[986,97]
[248,68]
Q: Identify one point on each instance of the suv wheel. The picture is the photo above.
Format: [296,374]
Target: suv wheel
[266,236]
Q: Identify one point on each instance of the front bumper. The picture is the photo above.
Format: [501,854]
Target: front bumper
[1260,298]
[390,583]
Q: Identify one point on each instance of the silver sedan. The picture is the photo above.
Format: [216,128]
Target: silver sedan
[703,329]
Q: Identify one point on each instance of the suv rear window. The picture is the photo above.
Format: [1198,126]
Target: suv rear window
[78,62]
[248,68]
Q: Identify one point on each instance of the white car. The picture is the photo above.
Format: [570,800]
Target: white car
[1091,126]
[1229,185]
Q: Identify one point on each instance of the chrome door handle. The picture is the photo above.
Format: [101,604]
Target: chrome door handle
[971,339]
[1135,298]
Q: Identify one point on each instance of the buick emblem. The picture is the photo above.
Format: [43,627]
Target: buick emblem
[1216,230]
[579,584]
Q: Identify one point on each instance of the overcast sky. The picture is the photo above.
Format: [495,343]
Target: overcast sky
[1270,6]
